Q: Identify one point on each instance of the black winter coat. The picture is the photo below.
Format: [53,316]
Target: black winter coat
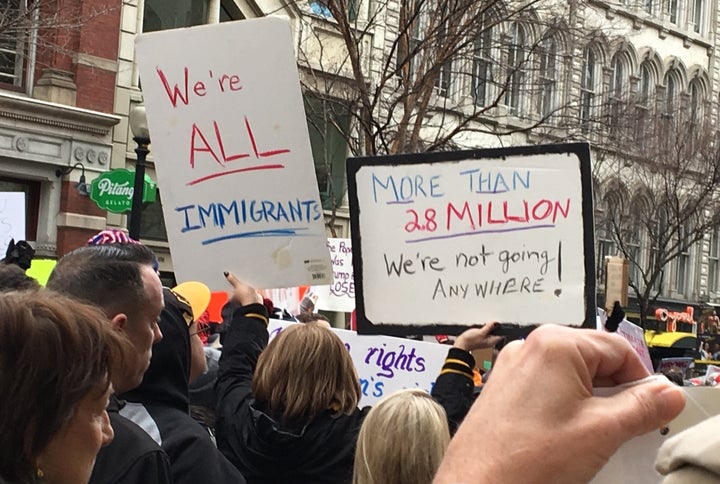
[161,406]
[321,451]
[132,457]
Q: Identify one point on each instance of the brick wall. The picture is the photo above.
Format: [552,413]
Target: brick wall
[69,238]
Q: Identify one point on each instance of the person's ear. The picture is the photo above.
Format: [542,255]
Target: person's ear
[118,321]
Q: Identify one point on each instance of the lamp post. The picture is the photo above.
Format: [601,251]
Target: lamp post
[141,136]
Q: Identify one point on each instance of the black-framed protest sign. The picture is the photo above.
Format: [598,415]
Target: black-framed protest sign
[443,241]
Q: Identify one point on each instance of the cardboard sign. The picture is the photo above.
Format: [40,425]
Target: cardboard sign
[442,241]
[12,219]
[340,294]
[232,154]
[616,281]
[385,364]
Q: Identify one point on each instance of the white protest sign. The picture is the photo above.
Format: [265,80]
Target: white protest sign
[463,238]
[635,335]
[385,364]
[340,294]
[634,461]
[12,219]
[232,153]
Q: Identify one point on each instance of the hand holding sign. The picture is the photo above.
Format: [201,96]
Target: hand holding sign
[539,402]
[477,338]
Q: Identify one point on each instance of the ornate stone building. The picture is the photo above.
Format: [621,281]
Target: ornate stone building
[548,72]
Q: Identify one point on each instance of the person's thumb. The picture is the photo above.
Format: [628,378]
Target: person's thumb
[642,408]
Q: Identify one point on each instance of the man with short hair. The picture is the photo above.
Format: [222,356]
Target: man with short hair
[120,279]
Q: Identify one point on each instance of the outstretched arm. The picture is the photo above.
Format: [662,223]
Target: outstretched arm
[245,339]
[454,386]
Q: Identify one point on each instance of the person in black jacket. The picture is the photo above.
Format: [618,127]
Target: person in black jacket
[455,387]
[161,405]
[289,413]
[297,420]
[121,280]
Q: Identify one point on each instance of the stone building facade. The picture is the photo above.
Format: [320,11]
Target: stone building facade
[57,95]
[62,107]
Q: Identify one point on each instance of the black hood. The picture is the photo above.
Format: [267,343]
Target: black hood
[321,450]
[166,380]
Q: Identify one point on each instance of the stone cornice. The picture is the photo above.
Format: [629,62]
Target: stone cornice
[29,110]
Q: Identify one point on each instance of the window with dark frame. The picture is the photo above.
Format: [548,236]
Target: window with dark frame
[618,81]
[682,263]
[13,42]
[588,87]
[714,262]
[697,16]
[482,65]
[328,126]
[548,75]
[642,105]
[517,56]
[152,222]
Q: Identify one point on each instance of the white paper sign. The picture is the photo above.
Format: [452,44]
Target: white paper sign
[635,460]
[385,364]
[462,241]
[340,295]
[232,153]
[12,219]
[635,335]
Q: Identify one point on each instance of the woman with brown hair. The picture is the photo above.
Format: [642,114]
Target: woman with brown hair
[57,357]
[297,419]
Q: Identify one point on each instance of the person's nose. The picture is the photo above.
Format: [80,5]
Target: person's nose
[157,334]
[107,431]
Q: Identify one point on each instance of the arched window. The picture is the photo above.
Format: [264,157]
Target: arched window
[548,76]
[646,91]
[589,86]
[672,92]
[482,64]
[517,57]
[697,97]
[617,88]
[682,262]
[646,84]
[618,77]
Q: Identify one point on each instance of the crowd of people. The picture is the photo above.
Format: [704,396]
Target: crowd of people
[97,372]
